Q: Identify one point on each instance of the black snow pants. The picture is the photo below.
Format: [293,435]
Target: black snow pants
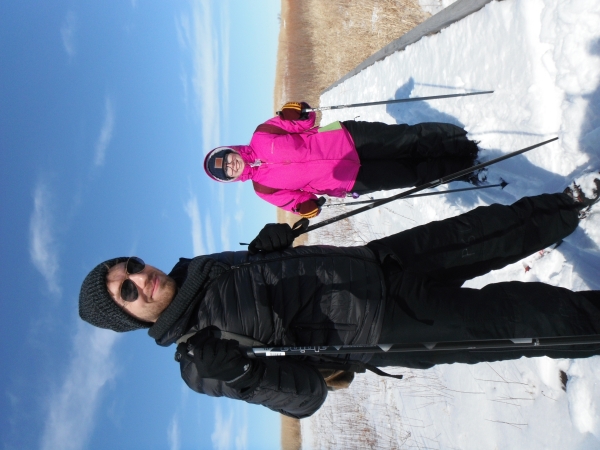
[399,156]
[426,266]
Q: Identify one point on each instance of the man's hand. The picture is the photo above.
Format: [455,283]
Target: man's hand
[273,236]
[293,111]
[218,359]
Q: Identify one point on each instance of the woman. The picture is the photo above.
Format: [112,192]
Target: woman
[291,162]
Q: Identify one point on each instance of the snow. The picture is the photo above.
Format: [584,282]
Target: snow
[542,59]
[434,6]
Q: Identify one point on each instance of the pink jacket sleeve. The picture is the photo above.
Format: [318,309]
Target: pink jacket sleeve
[294,126]
[284,198]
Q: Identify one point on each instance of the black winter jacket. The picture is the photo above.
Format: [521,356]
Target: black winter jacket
[300,296]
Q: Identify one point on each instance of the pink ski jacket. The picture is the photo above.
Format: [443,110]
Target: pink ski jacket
[289,169]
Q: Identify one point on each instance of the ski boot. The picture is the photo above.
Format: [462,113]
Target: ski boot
[585,192]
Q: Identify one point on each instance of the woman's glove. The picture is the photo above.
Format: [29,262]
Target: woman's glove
[273,236]
[310,208]
[293,111]
[218,359]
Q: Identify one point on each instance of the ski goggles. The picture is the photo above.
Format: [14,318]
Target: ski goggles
[129,291]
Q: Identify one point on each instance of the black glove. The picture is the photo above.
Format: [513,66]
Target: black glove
[273,236]
[218,359]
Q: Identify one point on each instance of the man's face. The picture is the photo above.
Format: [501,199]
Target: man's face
[155,289]
[234,165]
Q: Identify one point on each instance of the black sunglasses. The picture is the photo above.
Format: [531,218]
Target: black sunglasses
[129,291]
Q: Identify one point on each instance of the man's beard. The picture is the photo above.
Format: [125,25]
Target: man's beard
[166,295]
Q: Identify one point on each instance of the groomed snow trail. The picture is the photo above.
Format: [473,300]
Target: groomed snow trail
[542,58]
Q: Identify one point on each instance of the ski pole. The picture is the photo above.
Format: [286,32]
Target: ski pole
[450,191]
[400,100]
[302,225]
[475,345]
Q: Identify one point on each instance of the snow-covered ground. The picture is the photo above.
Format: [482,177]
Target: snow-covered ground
[542,58]
[434,6]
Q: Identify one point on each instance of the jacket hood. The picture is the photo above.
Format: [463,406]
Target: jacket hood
[207,159]
[245,151]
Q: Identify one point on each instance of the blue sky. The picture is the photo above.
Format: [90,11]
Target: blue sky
[106,112]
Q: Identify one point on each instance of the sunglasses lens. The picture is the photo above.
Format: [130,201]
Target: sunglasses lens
[135,265]
[129,292]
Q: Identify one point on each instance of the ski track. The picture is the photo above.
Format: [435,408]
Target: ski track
[542,58]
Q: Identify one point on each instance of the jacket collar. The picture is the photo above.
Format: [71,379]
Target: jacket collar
[201,271]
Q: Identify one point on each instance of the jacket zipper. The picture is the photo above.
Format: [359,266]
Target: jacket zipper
[283,258]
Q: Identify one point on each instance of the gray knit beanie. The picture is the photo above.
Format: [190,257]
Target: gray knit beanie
[96,306]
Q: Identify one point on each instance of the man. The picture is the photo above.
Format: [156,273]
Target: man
[402,288]
[290,161]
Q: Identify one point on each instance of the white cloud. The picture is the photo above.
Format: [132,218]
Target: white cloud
[241,432]
[239,192]
[205,41]
[182,26]
[67,32]
[184,82]
[174,434]
[221,436]
[239,213]
[183,30]
[225,233]
[42,246]
[206,76]
[225,215]
[225,58]
[239,217]
[208,63]
[106,132]
[191,208]
[230,431]
[72,408]
[210,238]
